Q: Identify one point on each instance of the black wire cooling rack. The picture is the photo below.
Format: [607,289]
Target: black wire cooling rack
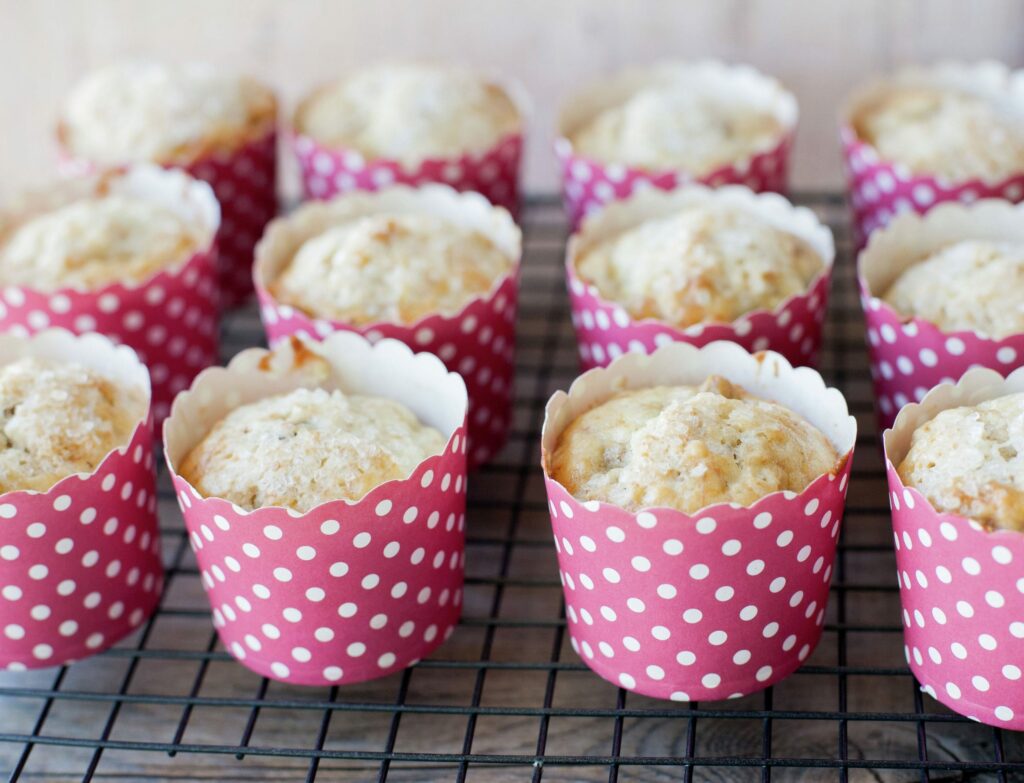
[506,699]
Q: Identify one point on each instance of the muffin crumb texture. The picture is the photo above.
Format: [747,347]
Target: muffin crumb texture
[687,447]
[94,242]
[390,268]
[164,113]
[59,419]
[671,126]
[970,461]
[966,286]
[943,132]
[410,112]
[702,264]
[306,447]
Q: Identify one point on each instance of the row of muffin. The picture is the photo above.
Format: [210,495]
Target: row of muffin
[696,496]
[132,255]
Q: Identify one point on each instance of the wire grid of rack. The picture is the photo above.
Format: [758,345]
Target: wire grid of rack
[506,698]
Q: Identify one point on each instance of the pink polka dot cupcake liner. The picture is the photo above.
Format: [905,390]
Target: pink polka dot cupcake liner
[80,563]
[169,319]
[494,173]
[348,591]
[588,185]
[245,184]
[705,606]
[478,341]
[605,330]
[911,355]
[880,189]
[961,585]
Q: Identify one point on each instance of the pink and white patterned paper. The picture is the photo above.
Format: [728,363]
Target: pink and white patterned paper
[715,604]
[328,172]
[605,331]
[346,592]
[878,190]
[909,357]
[587,185]
[80,563]
[169,320]
[478,342]
[961,586]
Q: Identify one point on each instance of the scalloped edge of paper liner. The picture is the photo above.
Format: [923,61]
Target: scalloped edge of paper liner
[284,236]
[767,375]
[173,189]
[989,79]
[750,87]
[620,216]
[388,368]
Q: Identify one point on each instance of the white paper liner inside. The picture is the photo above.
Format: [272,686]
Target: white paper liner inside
[993,81]
[975,386]
[910,237]
[385,369]
[284,236]
[736,84]
[766,375]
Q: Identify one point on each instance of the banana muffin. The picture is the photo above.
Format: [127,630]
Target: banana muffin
[93,241]
[704,263]
[970,461]
[944,132]
[687,447]
[59,419]
[390,267]
[409,112]
[306,447]
[971,285]
[167,114]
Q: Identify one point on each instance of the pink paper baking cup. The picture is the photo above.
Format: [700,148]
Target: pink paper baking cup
[327,172]
[80,563]
[348,591]
[245,184]
[911,355]
[587,184]
[604,330]
[711,605]
[478,341]
[878,189]
[961,586]
[169,319]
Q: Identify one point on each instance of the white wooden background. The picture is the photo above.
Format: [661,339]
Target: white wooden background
[820,48]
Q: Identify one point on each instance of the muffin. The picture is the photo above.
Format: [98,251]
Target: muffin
[953,463]
[971,285]
[428,266]
[129,254]
[168,114]
[969,461]
[695,498]
[220,128]
[410,123]
[697,264]
[390,267]
[306,447]
[95,241]
[927,135]
[941,294]
[686,447]
[673,123]
[80,557]
[703,263]
[60,419]
[325,484]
